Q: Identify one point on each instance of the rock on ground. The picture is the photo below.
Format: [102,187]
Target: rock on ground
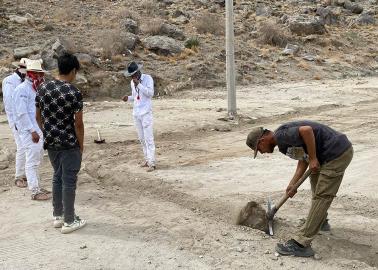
[163,45]
[52,50]
[130,26]
[304,26]
[20,52]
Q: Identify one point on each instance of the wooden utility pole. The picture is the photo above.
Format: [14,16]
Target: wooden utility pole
[230,61]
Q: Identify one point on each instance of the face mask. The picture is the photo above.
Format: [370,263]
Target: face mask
[36,78]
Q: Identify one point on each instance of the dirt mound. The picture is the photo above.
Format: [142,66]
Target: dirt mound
[254,216]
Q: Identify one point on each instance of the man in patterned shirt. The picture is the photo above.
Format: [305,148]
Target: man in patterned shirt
[60,116]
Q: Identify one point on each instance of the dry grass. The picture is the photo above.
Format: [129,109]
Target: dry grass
[185,54]
[264,52]
[270,33]
[150,6]
[127,13]
[152,27]
[210,23]
[303,65]
[111,43]
[117,58]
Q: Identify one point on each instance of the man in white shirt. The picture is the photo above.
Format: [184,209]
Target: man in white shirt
[9,85]
[27,126]
[142,91]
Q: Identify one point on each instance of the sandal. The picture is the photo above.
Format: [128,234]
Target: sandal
[151,168]
[144,165]
[40,196]
[45,191]
[21,183]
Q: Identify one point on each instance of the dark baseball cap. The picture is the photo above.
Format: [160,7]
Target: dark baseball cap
[253,138]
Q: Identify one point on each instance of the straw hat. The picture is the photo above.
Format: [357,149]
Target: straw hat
[20,65]
[35,65]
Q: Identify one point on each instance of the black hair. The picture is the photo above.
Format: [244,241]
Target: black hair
[266,131]
[67,62]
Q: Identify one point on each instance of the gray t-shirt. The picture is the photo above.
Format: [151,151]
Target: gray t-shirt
[330,144]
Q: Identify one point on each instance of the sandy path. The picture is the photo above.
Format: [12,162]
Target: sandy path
[180,217]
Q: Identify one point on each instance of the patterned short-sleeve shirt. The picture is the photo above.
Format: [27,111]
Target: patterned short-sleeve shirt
[58,102]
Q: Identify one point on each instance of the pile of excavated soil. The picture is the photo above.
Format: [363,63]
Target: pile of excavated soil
[254,216]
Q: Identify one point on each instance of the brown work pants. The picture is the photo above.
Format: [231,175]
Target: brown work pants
[324,186]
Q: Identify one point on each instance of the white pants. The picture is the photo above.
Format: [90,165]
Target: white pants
[34,156]
[20,155]
[144,124]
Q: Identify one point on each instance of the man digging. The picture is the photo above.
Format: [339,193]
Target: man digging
[326,152]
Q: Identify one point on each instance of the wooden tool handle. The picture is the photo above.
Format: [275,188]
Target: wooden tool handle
[297,184]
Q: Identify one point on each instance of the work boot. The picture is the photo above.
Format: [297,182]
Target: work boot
[326,227]
[293,248]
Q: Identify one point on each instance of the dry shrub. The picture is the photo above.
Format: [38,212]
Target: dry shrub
[304,65]
[270,33]
[117,58]
[152,27]
[210,23]
[186,53]
[112,43]
[127,13]
[150,6]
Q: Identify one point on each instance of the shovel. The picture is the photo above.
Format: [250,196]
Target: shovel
[99,140]
[273,208]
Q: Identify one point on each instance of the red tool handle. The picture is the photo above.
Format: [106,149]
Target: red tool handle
[297,184]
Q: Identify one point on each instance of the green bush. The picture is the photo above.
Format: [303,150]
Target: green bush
[192,43]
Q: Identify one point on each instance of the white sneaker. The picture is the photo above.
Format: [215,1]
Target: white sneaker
[75,225]
[58,222]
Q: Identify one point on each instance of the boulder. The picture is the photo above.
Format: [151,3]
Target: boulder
[353,7]
[263,10]
[177,13]
[222,3]
[52,50]
[309,57]
[304,26]
[172,31]
[128,41]
[130,26]
[181,19]
[20,52]
[4,158]
[327,15]
[84,59]
[18,19]
[365,19]
[290,49]
[163,45]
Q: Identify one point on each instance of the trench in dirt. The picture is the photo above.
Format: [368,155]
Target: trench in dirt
[221,211]
[224,212]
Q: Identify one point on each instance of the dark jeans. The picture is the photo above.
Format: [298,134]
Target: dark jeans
[66,165]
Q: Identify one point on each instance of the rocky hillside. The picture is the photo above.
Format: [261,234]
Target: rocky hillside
[182,43]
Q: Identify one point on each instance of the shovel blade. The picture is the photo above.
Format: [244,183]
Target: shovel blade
[270,220]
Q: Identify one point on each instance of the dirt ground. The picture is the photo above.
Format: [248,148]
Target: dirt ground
[182,215]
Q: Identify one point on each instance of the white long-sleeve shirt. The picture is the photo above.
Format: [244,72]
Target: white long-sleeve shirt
[24,107]
[9,85]
[145,91]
